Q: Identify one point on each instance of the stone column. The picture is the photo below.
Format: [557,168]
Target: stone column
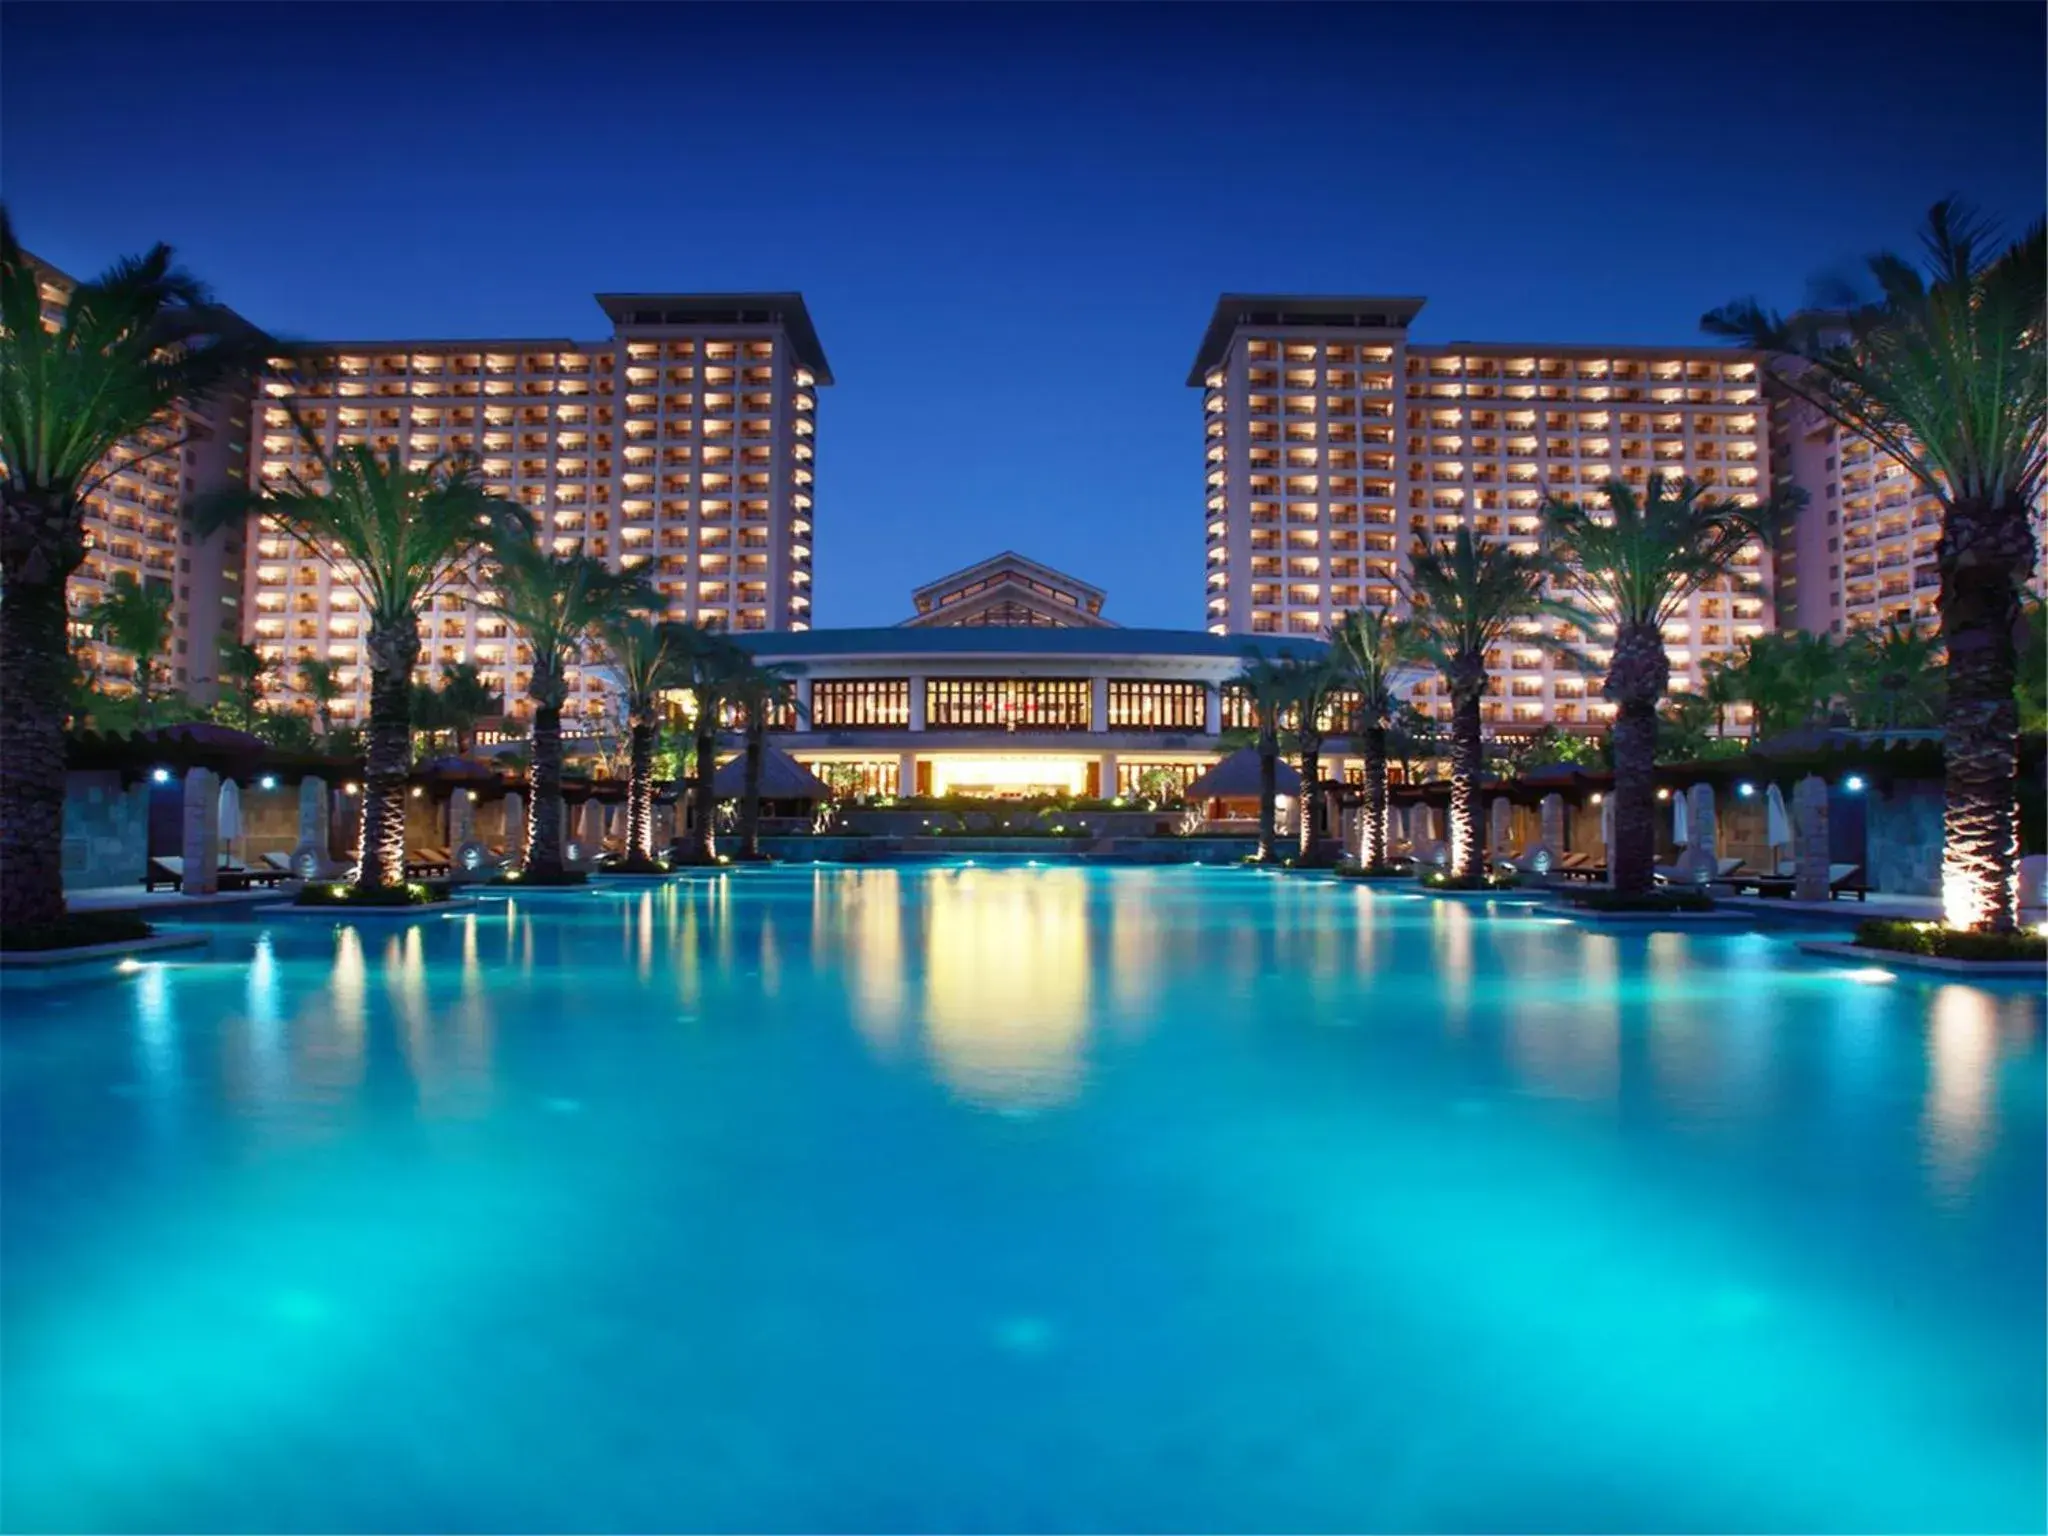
[1212,709]
[1697,863]
[916,709]
[200,845]
[1098,706]
[313,853]
[906,772]
[803,703]
[1810,839]
[1105,775]
[1552,813]
[1499,828]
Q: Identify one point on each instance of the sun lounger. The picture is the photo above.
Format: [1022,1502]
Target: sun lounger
[1843,880]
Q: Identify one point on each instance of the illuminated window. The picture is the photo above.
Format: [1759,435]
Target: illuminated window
[1006,703]
[876,703]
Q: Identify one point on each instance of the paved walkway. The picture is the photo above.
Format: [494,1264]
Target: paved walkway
[157,903]
[1847,911]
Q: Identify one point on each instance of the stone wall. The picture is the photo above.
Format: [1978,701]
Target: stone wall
[1904,839]
[106,830]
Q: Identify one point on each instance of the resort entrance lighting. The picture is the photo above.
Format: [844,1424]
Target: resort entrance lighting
[1009,774]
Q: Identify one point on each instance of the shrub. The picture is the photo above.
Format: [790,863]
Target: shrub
[532,882]
[1375,872]
[1441,880]
[1647,901]
[414,893]
[75,930]
[1910,938]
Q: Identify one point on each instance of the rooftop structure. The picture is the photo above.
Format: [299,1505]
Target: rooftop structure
[1009,590]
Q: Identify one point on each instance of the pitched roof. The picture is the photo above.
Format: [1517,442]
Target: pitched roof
[782,778]
[1237,778]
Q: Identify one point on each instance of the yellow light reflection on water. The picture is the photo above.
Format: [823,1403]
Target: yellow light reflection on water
[1006,985]
[1962,1046]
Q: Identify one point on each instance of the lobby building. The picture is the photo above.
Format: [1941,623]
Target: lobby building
[1007,681]
[682,445]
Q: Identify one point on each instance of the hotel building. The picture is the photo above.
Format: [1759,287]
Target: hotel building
[138,524]
[1332,444]
[683,445]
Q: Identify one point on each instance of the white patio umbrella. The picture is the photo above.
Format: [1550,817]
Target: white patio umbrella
[1429,831]
[1681,830]
[1397,824]
[230,812]
[1777,825]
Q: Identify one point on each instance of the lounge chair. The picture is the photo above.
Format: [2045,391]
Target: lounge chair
[230,876]
[1843,880]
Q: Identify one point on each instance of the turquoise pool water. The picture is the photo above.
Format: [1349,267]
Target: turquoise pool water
[993,1199]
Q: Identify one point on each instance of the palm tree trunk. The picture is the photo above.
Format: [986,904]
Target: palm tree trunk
[381,853]
[1372,837]
[1269,790]
[1468,849]
[1636,680]
[1311,787]
[33,666]
[1986,552]
[544,783]
[326,713]
[640,791]
[750,794]
[703,842]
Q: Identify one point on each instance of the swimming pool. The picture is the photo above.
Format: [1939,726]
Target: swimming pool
[1018,1198]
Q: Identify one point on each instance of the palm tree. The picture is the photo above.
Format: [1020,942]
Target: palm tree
[135,618]
[1315,682]
[760,693]
[1944,369]
[646,660]
[710,664]
[1720,690]
[1466,597]
[397,536]
[75,400]
[553,602]
[463,699]
[243,670]
[322,681]
[1789,680]
[1632,568]
[1369,648]
[1269,683]
[1895,677]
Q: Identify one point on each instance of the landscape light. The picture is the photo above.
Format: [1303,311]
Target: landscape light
[1853,783]
[268,781]
[1598,797]
[159,775]
[1746,789]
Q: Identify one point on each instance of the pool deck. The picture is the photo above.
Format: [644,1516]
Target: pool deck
[158,903]
[1876,905]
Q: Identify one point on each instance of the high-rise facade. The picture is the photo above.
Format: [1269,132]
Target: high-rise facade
[682,446]
[1333,443]
[138,524]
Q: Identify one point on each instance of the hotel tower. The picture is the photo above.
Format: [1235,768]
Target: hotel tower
[1333,443]
[683,445]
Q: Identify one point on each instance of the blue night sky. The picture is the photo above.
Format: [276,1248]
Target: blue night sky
[1010,224]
